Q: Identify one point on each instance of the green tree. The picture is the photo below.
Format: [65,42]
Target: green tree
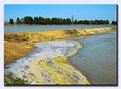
[107,22]
[114,22]
[18,21]
[75,22]
[22,21]
[41,20]
[28,20]
[36,20]
[68,21]
[57,21]
[11,21]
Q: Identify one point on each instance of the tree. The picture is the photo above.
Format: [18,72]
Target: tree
[114,22]
[75,22]
[41,20]
[68,21]
[107,22]
[54,21]
[11,21]
[36,20]
[28,20]
[22,20]
[18,21]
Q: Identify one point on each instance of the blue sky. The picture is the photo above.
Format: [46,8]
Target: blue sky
[79,11]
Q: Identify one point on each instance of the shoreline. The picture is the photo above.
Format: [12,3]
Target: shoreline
[58,65]
[76,67]
[67,61]
[33,37]
[56,24]
[92,63]
[29,38]
[79,69]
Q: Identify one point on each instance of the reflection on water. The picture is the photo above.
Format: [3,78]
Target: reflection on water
[98,58]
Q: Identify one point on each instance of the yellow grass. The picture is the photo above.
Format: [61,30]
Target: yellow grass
[53,35]
[14,51]
[60,70]
[18,45]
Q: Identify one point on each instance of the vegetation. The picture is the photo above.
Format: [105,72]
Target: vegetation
[10,81]
[23,41]
[22,45]
[14,51]
[38,20]
[11,21]
[114,22]
[32,37]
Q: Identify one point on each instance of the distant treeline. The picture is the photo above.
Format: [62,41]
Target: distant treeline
[56,21]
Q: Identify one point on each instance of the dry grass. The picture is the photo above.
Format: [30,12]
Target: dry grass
[53,35]
[17,44]
[14,51]
[41,36]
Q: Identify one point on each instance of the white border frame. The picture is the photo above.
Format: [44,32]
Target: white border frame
[61,1]
[2,2]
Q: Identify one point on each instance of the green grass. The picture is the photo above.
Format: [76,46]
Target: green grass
[10,81]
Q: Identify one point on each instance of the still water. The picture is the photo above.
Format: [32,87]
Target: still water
[98,58]
[40,28]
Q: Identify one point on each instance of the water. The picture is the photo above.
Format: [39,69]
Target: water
[40,28]
[98,58]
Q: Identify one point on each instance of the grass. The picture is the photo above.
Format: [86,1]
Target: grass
[32,37]
[14,51]
[18,45]
[10,81]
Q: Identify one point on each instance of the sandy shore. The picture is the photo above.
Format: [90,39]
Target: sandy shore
[50,57]
[48,64]
[32,37]
[25,40]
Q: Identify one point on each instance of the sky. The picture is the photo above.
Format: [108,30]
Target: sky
[79,11]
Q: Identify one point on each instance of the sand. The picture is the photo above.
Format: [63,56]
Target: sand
[48,63]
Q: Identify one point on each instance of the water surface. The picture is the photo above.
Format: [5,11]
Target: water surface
[41,28]
[98,58]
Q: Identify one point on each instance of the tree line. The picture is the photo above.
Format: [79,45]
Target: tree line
[56,21]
